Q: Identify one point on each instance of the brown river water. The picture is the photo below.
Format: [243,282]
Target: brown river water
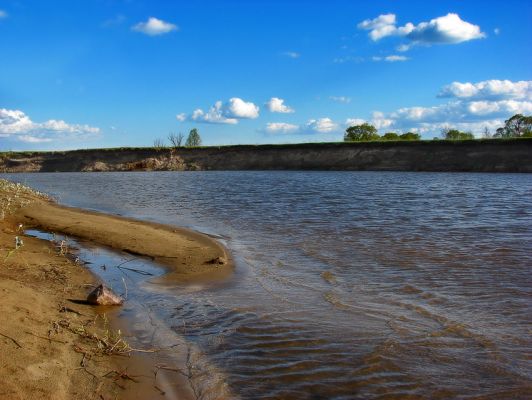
[348,285]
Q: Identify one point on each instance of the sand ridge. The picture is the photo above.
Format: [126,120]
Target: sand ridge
[188,255]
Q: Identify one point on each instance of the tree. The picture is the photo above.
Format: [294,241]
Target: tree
[455,134]
[176,139]
[410,136]
[359,133]
[517,126]
[390,136]
[193,139]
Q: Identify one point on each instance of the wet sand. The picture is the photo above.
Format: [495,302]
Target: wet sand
[48,336]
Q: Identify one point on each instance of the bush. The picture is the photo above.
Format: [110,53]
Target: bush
[390,136]
[455,134]
[410,136]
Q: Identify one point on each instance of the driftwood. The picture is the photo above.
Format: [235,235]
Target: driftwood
[103,296]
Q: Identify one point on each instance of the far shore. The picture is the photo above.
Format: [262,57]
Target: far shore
[53,345]
[480,155]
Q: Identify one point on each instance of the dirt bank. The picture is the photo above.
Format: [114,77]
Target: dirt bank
[500,155]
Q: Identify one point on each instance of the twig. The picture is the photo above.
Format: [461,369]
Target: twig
[125,286]
[13,340]
[159,389]
[125,262]
[138,271]
[46,338]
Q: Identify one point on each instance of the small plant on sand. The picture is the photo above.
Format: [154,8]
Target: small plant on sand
[15,195]
[108,342]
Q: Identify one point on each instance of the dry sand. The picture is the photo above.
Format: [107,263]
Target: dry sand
[51,347]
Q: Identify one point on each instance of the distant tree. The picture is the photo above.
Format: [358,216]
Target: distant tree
[410,136]
[390,136]
[486,134]
[176,139]
[158,144]
[359,133]
[517,126]
[193,139]
[455,134]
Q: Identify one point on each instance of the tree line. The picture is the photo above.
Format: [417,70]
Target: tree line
[176,140]
[515,127]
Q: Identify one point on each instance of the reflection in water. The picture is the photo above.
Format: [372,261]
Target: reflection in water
[348,284]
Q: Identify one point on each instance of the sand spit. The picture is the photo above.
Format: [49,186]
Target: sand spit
[55,347]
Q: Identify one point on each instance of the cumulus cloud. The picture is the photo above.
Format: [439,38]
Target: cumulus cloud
[491,89]
[238,108]
[277,105]
[391,58]
[16,125]
[312,126]
[473,107]
[378,120]
[340,99]
[321,125]
[383,25]
[281,127]
[154,26]
[223,113]
[448,29]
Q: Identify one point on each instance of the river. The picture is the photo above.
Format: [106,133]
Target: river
[348,285]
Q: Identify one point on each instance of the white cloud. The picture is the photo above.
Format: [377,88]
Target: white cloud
[281,127]
[354,121]
[321,125]
[215,115]
[491,89]
[291,54]
[154,27]
[312,126]
[448,29]
[391,58]
[3,14]
[341,99]
[238,108]
[378,120]
[16,125]
[220,113]
[497,31]
[277,105]
[473,107]
[379,27]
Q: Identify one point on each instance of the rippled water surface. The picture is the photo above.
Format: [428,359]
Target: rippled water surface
[348,284]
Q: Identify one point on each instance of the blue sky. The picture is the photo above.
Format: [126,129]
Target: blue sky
[122,73]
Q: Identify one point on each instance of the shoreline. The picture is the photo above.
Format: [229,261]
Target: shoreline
[480,155]
[48,336]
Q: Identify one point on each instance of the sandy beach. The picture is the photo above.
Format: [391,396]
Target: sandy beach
[55,347]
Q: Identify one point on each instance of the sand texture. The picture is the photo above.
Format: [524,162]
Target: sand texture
[52,346]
